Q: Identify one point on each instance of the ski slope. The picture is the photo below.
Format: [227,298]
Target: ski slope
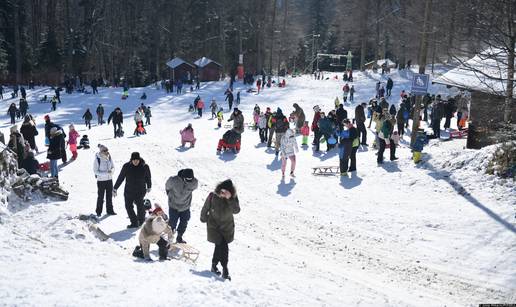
[439,233]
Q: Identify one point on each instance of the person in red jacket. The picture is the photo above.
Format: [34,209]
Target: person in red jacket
[315,127]
[200,106]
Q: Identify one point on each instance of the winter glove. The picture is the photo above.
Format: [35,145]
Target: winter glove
[114,192]
[148,190]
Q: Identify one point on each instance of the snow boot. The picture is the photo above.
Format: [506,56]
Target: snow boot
[138,252]
[225,273]
[179,238]
[214,269]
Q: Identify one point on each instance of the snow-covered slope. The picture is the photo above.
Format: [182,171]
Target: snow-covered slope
[427,235]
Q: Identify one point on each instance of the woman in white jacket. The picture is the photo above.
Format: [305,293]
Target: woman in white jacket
[288,149]
[103,168]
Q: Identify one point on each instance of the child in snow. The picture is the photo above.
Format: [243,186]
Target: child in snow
[230,140]
[191,108]
[220,117]
[213,107]
[256,115]
[72,141]
[288,149]
[305,131]
[262,127]
[155,230]
[187,136]
[337,103]
[140,129]
[200,107]
[84,142]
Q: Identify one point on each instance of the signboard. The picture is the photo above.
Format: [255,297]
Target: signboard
[420,84]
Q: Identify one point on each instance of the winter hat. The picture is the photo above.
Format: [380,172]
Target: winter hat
[268,109]
[187,174]
[279,111]
[226,185]
[47,117]
[135,156]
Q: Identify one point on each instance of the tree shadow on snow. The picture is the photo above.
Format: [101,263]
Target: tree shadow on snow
[446,176]
[123,235]
[284,189]
[349,183]
[275,164]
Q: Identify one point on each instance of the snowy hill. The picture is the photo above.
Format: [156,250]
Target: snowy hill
[439,233]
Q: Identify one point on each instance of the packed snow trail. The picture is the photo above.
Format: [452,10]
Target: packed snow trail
[397,235]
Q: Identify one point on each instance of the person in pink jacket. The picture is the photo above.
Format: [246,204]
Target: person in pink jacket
[200,107]
[187,136]
[72,140]
[305,131]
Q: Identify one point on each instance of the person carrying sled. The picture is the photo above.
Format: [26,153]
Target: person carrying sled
[179,191]
[217,213]
[137,175]
[103,168]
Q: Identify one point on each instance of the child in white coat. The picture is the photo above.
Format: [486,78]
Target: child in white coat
[288,149]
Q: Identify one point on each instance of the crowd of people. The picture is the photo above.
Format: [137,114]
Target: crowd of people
[339,130]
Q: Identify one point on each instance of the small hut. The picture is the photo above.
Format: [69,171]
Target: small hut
[207,69]
[181,70]
[485,76]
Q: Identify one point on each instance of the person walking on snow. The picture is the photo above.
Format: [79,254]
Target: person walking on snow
[288,150]
[137,176]
[103,168]
[217,213]
[148,115]
[280,125]
[389,86]
[220,117]
[12,113]
[229,98]
[179,191]
[72,140]
[345,92]
[118,118]
[100,114]
[262,127]
[213,108]
[200,107]
[352,93]
[29,131]
[87,116]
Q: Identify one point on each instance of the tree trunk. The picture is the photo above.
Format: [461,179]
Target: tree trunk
[272,35]
[363,33]
[403,38]
[17,42]
[423,50]
[507,114]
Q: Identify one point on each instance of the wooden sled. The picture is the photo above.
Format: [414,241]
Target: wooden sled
[326,170]
[184,251]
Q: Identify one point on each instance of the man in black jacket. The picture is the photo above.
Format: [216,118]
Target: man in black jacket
[118,118]
[137,183]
